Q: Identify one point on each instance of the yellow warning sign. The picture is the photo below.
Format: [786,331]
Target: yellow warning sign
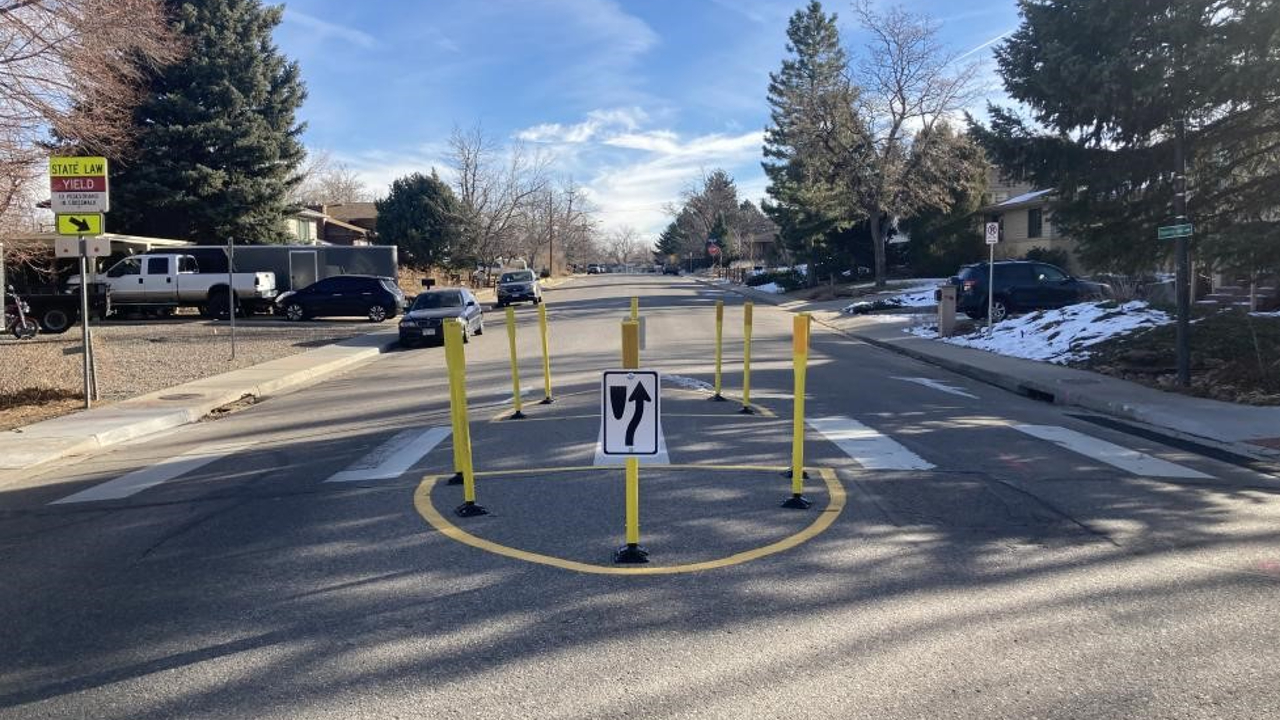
[81,224]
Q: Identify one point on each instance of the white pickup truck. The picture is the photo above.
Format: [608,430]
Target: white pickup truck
[161,282]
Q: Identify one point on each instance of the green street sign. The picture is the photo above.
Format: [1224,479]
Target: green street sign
[1169,232]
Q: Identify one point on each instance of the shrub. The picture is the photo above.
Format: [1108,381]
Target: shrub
[788,280]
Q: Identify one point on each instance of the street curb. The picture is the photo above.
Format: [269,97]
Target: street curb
[1054,394]
[59,437]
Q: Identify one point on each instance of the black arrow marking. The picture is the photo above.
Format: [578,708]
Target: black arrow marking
[639,396]
[618,400]
[80,224]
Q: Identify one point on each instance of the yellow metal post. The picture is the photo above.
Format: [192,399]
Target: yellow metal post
[635,309]
[455,408]
[719,346]
[632,552]
[547,398]
[456,359]
[800,355]
[517,403]
[746,358]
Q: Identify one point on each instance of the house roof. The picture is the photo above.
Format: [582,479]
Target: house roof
[353,211]
[1022,199]
[330,220]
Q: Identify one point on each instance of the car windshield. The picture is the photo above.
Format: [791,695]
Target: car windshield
[515,277]
[437,300]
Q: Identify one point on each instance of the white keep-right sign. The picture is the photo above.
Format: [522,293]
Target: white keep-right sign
[630,406]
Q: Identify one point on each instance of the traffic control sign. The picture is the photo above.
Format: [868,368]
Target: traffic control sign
[993,233]
[80,224]
[78,185]
[631,406]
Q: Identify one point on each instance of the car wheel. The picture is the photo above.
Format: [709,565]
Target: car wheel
[218,301]
[377,313]
[55,321]
[1000,310]
[499,305]
[480,328]
[295,312]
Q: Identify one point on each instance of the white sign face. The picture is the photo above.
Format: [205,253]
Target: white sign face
[79,203]
[630,407]
[69,247]
[993,233]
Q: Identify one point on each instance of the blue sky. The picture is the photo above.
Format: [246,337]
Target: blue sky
[634,99]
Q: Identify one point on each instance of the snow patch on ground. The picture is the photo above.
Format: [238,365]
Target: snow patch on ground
[686,383]
[774,288]
[1058,336]
[916,297]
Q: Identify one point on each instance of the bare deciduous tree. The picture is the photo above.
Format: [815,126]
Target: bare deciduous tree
[496,187]
[73,69]
[326,182]
[911,84]
[625,245]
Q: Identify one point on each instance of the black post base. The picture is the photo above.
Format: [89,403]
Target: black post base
[631,553]
[797,502]
[547,400]
[517,415]
[747,410]
[455,480]
[787,474]
[718,398]
[470,509]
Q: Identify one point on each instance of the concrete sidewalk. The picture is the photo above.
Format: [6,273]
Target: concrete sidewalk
[1247,429]
[91,430]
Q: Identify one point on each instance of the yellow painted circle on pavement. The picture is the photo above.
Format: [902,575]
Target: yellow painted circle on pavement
[826,516]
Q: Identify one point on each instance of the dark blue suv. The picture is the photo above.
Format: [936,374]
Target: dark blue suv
[376,298]
[1020,285]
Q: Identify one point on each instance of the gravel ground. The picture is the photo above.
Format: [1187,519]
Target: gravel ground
[43,376]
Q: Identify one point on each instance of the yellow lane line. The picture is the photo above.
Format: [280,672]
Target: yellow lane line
[827,516]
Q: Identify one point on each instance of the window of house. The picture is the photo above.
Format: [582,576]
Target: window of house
[1035,222]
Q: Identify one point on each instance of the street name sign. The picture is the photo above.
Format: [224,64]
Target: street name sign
[1170,232]
[631,408]
[80,224]
[993,233]
[78,185]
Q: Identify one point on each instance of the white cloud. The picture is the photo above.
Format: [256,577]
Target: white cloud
[326,29]
[597,123]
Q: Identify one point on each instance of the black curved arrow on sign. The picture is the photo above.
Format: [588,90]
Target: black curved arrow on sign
[80,224]
[639,396]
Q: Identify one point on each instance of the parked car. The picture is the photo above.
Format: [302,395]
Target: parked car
[1020,285]
[670,269]
[594,269]
[518,286]
[425,318]
[371,296]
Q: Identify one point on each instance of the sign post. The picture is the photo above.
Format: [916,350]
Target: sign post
[993,239]
[630,412]
[83,249]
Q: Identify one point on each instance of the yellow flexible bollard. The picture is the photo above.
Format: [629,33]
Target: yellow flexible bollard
[719,346]
[746,359]
[635,309]
[547,399]
[800,353]
[456,359]
[515,366]
[632,552]
[455,407]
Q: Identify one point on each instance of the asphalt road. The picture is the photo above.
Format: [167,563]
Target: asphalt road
[970,553]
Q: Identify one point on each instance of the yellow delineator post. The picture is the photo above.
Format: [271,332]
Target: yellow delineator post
[632,552]
[800,353]
[719,346]
[635,309]
[746,359]
[515,367]
[456,359]
[547,398]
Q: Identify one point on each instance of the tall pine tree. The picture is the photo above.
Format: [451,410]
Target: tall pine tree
[422,217]
[1107,83]
[217,143]
[812,131]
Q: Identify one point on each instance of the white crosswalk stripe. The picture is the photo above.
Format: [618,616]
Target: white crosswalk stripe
[1129,460]
[394,457]
[161,472]
[867,446]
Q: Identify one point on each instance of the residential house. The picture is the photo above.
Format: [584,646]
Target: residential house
[361,215]
[316,226]
[1025,220]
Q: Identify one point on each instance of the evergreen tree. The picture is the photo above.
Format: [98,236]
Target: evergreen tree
[1107,83]
[812,136]
[217,142]
[423,218]
[671,242]
[948,235]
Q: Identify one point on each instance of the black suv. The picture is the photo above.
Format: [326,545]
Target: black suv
[1020,285]
[376,298]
